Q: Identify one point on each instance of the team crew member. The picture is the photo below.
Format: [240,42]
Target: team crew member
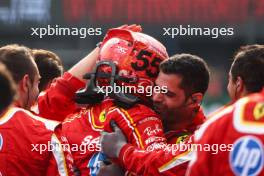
[59,101]
[126,55]
[20,130]
[242,122]
[186,77]
[7,88]
[49,66]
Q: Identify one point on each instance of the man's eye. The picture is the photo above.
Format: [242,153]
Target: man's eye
[170,94]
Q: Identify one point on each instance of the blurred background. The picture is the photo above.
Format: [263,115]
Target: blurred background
[17,17]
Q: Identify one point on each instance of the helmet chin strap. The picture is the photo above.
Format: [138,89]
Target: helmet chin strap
[91,93]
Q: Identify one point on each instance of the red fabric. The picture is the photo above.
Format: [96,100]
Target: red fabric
[58,101]
[20,130]
[223,128]
[82,130]
[140,124]
[82,126]
[151,163]
[198,120]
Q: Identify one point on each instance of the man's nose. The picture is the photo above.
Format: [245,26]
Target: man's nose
[157,97]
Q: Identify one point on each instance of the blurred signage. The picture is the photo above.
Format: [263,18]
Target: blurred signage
[20,11]
[163,11]
[130,11]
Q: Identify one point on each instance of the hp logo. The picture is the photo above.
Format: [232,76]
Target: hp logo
[247,156]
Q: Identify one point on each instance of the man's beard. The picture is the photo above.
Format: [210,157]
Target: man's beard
[159,109]
[172,115]
[163,112]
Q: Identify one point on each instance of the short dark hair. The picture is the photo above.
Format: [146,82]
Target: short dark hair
[249,65]
[193,70]
[247,47]
[49,65]
[19,61]
[7,88]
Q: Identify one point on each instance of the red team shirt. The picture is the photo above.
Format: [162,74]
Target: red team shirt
[21,134]
[240,125]
[169,161]
[141,125]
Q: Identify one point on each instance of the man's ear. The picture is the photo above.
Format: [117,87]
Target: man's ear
[24,83]
[197,98]
[239,85]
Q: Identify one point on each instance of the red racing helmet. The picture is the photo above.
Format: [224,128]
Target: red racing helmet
[129,60]
[136,56]
[134,53]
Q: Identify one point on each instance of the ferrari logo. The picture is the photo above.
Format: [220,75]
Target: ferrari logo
[181,139]
[258,111]
[102,117]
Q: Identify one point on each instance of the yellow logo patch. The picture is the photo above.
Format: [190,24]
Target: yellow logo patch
[258,111]
[181,139]
[102,117]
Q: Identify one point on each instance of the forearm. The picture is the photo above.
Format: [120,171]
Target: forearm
[85,65]
[58,101]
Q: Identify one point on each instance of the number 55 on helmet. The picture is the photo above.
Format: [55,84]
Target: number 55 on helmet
[129,60]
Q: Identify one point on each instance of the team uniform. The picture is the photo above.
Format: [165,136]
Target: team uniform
[141,125]
[168,161]
[24,142]
[240,127]
[133,57]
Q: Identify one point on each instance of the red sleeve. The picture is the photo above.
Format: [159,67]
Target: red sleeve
[165,161]
[202,160]
[139,161]
[58,101]
[141,125]
[142,129]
